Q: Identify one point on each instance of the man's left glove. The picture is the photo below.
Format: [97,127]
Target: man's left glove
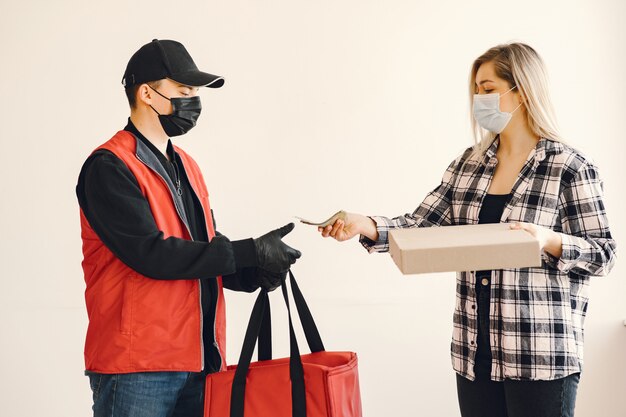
[268,280]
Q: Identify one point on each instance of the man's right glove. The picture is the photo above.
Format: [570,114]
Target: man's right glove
[272,253]
[270,280]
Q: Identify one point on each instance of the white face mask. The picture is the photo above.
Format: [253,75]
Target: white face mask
[487,112]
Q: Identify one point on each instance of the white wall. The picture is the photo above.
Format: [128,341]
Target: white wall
[353,104]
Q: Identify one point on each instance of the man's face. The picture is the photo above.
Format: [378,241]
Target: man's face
[170,89]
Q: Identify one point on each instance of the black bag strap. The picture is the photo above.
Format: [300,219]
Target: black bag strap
[311,333]
[239,381]
[260,319]
[264,351]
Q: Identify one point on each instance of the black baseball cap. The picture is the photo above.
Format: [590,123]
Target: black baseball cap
[166,59]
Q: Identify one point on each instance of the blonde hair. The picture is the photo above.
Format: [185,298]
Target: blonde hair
[522,67]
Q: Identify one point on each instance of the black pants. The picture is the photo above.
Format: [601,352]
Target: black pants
[486,398]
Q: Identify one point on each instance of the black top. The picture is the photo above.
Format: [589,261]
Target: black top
[490,212]
[492,208]
[116,209]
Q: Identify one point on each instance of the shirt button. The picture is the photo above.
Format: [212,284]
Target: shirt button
[473,306]
[472,342]
[485,282]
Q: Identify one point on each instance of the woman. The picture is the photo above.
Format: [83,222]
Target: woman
[518,333]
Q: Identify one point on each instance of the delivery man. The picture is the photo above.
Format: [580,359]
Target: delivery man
[154,264]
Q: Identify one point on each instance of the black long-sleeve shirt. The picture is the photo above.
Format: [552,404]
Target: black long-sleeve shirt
[116,209]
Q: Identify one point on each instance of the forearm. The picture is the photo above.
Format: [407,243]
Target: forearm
[584,255]
[175,258]
[587,246]
[375,230]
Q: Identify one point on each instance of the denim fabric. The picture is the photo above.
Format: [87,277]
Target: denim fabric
[147,394]
[510,398]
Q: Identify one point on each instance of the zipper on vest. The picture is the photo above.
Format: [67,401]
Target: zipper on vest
[179,190]
[219,353]
[199,284]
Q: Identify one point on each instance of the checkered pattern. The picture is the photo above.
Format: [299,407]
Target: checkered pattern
[536,314]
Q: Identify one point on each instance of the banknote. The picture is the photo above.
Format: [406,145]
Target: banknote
[339,215]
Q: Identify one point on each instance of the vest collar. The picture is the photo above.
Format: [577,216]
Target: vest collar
[147,156]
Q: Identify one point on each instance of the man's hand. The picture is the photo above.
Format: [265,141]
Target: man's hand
[273,255]
[269,281]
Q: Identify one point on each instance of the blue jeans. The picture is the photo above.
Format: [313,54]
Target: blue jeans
[148,394]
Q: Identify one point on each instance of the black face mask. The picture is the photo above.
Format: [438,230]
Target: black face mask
[185,113]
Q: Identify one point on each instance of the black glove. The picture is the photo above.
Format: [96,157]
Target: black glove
[269,281]
[272,253]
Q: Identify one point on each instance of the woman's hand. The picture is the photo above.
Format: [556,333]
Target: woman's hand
[549,240]
[354,224]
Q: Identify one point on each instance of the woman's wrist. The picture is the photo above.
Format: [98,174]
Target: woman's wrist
[367,228]
[554,244]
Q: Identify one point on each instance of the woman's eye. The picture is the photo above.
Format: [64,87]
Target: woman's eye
[488,91]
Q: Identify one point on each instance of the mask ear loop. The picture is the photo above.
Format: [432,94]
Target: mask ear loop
[508,91]
[154,109]
[518,106]
[166,97]
[158,94]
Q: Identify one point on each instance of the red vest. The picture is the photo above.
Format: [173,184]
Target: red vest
[136,323]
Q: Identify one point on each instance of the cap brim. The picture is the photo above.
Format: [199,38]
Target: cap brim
[198,79]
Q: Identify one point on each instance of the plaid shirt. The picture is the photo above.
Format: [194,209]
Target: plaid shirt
[536,314]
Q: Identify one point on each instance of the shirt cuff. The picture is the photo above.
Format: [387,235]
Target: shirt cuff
[383,225]
[570,253]
[244,252]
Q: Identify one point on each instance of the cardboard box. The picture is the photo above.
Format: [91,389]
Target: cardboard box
[463,248]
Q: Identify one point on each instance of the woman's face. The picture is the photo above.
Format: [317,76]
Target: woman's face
[487,82]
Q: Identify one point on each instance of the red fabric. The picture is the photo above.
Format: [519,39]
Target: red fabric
[331,380]
[137,323]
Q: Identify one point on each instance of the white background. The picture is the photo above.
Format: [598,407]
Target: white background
[344,104]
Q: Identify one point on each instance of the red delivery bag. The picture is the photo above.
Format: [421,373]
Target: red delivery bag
[318,384]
